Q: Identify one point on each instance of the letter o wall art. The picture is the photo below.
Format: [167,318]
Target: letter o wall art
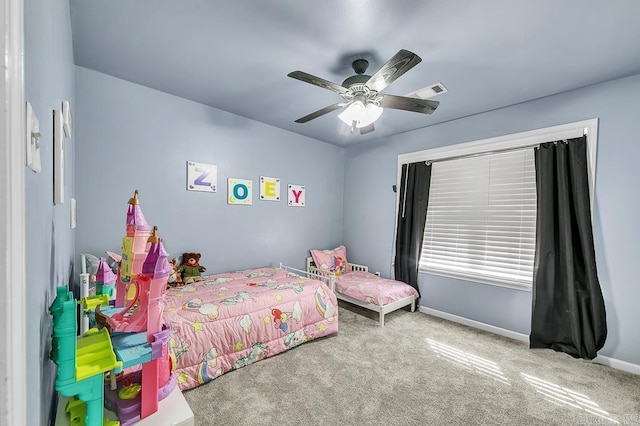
[239,191]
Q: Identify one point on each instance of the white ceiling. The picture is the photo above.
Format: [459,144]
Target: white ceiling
[235,55]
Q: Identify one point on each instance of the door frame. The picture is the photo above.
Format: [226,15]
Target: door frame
[13,405]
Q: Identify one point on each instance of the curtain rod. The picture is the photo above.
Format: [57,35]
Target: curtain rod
[481,154]
[496,151]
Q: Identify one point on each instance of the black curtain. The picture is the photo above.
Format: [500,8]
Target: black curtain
[412,214]
[568,312]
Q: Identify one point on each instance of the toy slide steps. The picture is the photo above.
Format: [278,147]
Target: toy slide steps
[95,354]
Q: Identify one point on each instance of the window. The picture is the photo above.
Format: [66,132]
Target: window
[481,218]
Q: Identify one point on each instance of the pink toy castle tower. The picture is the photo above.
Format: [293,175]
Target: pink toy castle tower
[155,269]
[144,311]
[134,248]
[144,315]
[105,280]
[157,373]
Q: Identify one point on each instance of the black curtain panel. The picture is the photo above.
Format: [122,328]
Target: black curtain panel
[568,312]
[412,214]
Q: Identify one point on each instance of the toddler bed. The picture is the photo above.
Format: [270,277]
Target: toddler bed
[354,283]
[233,319]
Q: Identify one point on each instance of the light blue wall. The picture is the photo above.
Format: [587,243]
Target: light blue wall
[49,79]
[371,170]
[132,137]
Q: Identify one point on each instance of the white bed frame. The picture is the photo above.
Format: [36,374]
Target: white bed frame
[382,310]
[327,279]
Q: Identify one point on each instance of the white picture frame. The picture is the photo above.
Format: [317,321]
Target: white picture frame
[202,177]
[58,157]
[239,191]
[295,195]
[269,188]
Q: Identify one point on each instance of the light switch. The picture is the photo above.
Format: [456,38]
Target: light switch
[32,140]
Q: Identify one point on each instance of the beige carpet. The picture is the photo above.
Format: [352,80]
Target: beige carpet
[417,370]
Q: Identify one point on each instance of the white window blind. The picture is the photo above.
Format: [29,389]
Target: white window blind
[481,218]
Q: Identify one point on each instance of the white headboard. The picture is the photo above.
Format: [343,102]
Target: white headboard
[310,263]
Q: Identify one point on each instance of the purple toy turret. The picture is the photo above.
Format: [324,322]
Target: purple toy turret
[156,264]
[105,280]
[137,224]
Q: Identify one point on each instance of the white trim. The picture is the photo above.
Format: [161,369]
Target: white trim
[515,140]
[617,364]
[12,219]
[600,359]
[592,151]
[476,324]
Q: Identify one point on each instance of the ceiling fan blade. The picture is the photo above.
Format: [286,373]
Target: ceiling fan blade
[367,129]
[423,106]
[401,62]
[317,81]
[320,112]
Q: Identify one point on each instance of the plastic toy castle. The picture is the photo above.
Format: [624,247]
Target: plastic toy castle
[131,342]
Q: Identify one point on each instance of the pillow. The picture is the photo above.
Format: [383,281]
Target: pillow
[331,260]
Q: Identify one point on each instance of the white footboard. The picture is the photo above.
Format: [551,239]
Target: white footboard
[382,310]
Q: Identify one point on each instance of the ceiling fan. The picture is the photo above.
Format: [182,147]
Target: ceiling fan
[362,101]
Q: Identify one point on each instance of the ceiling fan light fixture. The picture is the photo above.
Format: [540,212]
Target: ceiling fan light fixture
[363,104]
[360,114]
[352,113]
[372,113]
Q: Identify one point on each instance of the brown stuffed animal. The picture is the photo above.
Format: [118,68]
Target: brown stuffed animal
[175,279]
[190,268]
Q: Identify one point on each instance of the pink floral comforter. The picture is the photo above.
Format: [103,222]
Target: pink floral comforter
[237,318]
[370,288]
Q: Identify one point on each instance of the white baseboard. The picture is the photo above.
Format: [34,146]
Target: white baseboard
[618,364]
[476,324]
[600,359]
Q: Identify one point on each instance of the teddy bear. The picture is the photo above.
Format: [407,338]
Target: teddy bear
[175,279]
[190,268]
